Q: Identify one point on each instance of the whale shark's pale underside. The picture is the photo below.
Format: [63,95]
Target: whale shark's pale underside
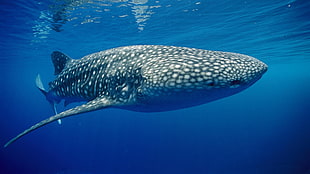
[146,78]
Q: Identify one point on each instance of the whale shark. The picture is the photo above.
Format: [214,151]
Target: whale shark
[146,78]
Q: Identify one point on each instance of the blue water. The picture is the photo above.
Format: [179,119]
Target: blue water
[262,130]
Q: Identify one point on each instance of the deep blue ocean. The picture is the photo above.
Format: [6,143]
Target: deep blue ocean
[262,130]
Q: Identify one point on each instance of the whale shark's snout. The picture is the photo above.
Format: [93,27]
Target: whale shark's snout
[242,71]
[259,70]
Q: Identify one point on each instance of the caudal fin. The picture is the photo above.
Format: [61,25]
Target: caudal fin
[93,105]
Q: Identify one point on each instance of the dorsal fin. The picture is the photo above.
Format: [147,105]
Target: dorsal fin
[60,60]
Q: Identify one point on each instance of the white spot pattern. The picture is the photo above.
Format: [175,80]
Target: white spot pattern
[127,73]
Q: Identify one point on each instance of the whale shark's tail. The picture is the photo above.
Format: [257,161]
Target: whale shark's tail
[40,86]
[98,103]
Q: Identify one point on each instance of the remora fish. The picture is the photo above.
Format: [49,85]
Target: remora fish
[147,78]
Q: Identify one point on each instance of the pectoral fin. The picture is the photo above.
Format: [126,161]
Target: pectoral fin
[98,103]
[40,86]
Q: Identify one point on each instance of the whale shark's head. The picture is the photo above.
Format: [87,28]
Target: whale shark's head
[235,71]
[195,78]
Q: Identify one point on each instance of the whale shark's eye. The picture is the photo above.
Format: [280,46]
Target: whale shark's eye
[211,84]
[235,82]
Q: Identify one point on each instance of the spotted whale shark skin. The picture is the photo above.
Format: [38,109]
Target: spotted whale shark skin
[146,78]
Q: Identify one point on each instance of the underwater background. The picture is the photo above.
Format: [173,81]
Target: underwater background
[262,130]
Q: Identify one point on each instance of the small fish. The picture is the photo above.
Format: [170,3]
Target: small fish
[146,78]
